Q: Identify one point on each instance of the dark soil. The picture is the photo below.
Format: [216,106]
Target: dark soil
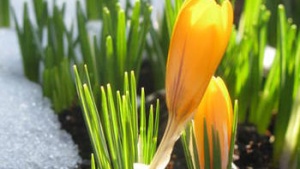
[251,149]
[72,121]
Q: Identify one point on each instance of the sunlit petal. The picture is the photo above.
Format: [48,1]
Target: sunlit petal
[199,40]
[216,109]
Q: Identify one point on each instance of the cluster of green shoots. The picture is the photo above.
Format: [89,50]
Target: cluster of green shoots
[50,48]
[120,133]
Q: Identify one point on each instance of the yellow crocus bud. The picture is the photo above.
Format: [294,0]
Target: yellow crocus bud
[199,40]
[200,36]
[216,109]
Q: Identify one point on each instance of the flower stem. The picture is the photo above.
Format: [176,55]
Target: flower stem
[163,153]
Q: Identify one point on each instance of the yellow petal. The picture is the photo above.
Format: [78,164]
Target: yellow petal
[216,108]
[199,39]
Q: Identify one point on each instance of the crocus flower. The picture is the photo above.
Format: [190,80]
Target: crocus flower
[200,36]
[216,109]
[199,39]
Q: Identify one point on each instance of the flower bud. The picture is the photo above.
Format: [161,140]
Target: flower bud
[199,39]
[216,109]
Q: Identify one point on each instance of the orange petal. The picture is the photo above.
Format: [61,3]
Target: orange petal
[199,39]
[216,108]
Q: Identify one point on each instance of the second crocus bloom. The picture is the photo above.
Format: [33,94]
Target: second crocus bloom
[216,109]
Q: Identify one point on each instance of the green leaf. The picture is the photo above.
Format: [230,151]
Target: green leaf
[188,141]
[4,13]
[233,134]
[143,134]
[121,45]
[217,158]
[286,86]
[85,45]
[29,45]
[206,146]
[93,123]
[93,7]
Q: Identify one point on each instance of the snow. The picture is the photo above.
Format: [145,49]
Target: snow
[30,133]
[10,55]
